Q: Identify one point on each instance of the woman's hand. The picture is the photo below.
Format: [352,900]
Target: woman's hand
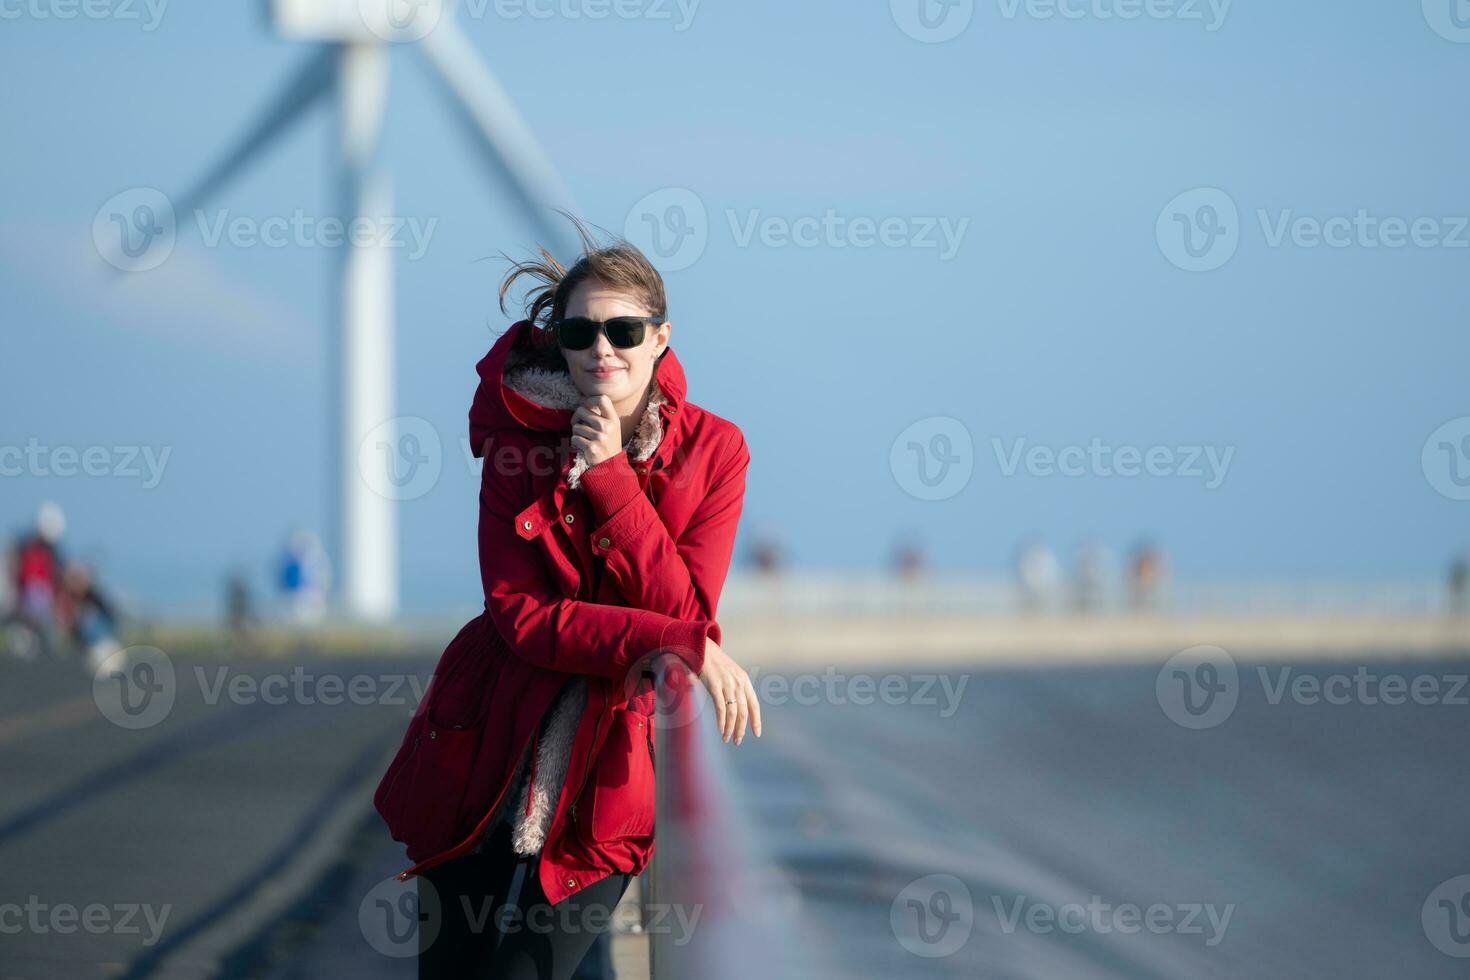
[734,694]
[596,429]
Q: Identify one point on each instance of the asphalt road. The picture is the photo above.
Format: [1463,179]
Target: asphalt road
[1289,839]
[1048,823]
[153,850]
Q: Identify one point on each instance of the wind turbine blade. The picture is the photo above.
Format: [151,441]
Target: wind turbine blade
[499,131]
[311,81]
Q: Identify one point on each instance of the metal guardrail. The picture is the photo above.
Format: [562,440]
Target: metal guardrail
[706,863]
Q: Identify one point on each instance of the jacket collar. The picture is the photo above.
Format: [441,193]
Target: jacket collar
[521,387]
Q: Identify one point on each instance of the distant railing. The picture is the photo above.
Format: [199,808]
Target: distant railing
[806,592]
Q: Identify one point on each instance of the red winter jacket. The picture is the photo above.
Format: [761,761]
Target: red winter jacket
[592,579]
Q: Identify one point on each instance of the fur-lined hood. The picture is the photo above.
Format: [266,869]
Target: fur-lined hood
[524,384]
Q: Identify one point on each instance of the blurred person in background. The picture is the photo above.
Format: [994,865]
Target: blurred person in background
[305,577]
[1148,576]
[7,580]
[239,610]
[909,563]
[37,565]
[33,571]
[1038,574]
[765,554]
[87,616]
[1460,584]
[1090,576]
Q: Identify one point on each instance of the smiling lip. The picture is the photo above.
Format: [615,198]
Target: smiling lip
[604,372]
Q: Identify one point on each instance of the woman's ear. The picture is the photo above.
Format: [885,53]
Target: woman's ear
[661,338]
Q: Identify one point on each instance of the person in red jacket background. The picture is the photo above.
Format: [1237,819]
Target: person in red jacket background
[608,511]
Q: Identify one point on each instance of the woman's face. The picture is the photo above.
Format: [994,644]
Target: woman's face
[602,369]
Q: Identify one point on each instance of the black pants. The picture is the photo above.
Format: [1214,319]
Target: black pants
[539,941]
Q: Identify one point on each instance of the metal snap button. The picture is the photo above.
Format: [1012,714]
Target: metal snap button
[571,882]
[433,734]
[570,518]
[604,542]
[526,525]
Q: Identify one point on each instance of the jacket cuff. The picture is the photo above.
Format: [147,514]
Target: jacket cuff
[686,638]
[609,485]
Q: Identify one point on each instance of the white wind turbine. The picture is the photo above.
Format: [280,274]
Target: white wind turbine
[349,58]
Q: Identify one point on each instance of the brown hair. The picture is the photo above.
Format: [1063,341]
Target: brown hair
[618,265]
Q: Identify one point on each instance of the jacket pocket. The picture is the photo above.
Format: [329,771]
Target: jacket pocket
[421,794]
[620,799]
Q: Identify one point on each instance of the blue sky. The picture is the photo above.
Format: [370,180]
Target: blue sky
[1057,316]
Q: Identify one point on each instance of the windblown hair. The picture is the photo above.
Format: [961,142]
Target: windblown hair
[618,265]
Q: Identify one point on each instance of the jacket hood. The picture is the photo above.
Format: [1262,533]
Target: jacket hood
[522,386]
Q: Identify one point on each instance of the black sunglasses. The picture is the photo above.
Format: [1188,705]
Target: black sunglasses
[580,332]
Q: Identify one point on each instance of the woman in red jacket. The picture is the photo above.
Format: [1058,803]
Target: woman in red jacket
[608,509]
